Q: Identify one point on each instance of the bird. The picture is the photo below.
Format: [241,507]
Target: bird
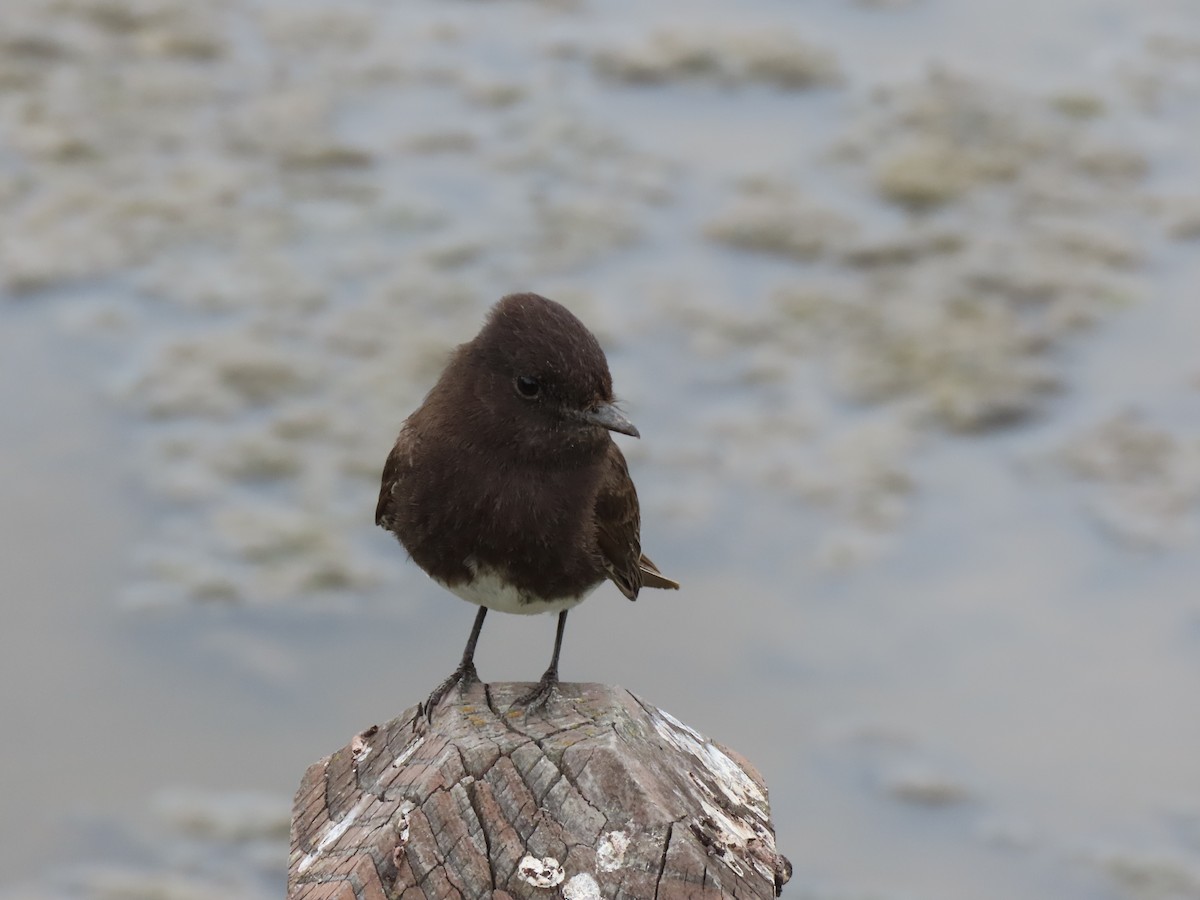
[505,485]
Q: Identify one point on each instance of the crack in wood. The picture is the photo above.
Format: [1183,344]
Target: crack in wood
[473,795]
[662,864]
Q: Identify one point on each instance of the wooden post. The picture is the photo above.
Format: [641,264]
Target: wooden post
[597,795]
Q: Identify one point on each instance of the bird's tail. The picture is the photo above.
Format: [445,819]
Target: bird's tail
[651,577]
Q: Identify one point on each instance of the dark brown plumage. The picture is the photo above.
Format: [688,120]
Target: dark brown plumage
[505,485]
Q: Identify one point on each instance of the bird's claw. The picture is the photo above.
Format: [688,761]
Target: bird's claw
[540,695]
[463,676]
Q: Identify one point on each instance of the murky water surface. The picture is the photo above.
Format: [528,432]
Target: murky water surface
[901,294]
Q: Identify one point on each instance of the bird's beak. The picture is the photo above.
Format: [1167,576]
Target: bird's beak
[608,416]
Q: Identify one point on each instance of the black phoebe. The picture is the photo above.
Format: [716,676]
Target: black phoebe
[505,485]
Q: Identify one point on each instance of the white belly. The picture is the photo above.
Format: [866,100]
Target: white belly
[487,589]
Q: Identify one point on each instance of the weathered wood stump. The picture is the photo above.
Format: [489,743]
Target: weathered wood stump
[597,795]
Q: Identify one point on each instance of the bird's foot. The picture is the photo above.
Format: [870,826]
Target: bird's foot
[463,677]
[541,693]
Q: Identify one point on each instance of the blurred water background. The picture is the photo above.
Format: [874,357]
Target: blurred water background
[901,294]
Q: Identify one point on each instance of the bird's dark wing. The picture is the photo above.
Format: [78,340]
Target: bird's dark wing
[397,466]
[618,523]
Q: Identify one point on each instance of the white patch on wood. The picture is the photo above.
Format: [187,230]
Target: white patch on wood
[334,831]
[401,823]
[735,806]
[407,752]
[487,588]
[360,749]
[610,853]
[541,873]
[581,887]
[730,777]
[679,726]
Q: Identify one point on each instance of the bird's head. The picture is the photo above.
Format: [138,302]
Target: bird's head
[542,381]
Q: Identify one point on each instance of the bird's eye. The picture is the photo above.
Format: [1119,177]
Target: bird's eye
[528,386]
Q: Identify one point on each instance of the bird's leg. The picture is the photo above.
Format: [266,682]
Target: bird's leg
[536,698]
[464,674]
